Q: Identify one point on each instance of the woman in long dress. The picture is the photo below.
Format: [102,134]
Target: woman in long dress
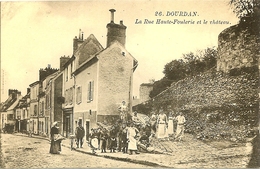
[131,136]
[162,125]
[170,125]
[180,126]
[55,144]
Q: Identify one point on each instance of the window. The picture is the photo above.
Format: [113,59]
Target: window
[42,111]
[47,101]
[24,117]
[71,70]
[66,97]
[10,116]
[66,74]
[35,110]
[78,97]
[40,107]
[71,95]
[90,93]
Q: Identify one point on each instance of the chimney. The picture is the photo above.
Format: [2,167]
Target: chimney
[115,31]
[112,15]
[14,93]
[77,41]
[63,60]
[10,91]
[79,33]
[28,90]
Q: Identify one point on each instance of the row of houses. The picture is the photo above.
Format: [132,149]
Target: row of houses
[88,87]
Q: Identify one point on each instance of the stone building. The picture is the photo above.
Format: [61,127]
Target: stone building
[37,101]
[237,46]
[7,111]
[97,79]
[22,114]
[144,91]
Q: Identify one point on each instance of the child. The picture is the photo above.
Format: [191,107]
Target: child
[124,140]
[113,141]
[103,138]
[91,137]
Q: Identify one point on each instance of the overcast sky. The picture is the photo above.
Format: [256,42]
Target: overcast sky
[35,34]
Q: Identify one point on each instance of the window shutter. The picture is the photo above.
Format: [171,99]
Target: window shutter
[88,94]
[77,95]
[80,93]
[92,90]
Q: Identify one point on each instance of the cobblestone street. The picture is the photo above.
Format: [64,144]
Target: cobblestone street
[25,152]
[20,151]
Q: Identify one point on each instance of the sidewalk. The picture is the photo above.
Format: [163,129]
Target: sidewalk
[190,153]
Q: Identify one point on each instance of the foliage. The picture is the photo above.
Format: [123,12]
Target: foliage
[244,7]
[160,86]
[191,64]
[143,108]
[243,70]
[175,70]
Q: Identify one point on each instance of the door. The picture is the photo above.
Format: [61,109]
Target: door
[87,130]
[67,126]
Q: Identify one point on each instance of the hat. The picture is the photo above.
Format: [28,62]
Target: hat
[54,124]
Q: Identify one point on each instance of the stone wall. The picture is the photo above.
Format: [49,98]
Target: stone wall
[210,89]
[215,104]
[237,46]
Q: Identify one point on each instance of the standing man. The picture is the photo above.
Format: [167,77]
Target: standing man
[80,133]
[180,126]
[123,112]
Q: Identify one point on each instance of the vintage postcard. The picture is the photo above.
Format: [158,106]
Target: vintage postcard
[130,84]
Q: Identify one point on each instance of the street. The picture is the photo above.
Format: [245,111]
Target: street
[21,151]
[25,152]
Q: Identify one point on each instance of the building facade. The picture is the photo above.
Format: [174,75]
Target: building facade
[96,80]
[144,91]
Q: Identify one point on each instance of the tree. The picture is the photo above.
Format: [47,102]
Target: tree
[244,7]
[160,86]
[175,70]
[191,64]
[209,58]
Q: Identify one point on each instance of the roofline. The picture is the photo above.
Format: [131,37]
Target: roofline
[69,61]
[34,83]
[85,65]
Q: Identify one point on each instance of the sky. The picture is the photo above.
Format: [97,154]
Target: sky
[37,33]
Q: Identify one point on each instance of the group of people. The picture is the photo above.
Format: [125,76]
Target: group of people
[163,126]
[121,137]
[127,135]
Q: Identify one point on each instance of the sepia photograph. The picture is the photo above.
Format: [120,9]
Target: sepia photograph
[130,84]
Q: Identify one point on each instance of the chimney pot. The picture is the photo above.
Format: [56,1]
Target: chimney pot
[112,14]
[79,33]
[121,22]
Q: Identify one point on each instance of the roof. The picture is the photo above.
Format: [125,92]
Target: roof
[34,83]
[94,58]
[146,84]
[14,104]
[69,61]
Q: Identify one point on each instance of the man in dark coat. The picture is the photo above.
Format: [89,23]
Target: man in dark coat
[80,133]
